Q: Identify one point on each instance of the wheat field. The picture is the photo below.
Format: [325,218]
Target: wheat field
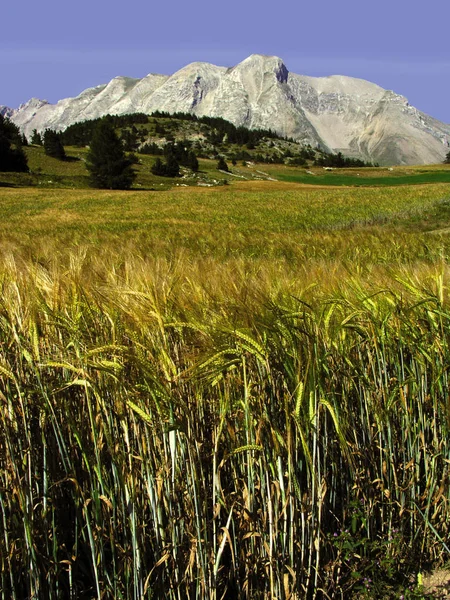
[230,393]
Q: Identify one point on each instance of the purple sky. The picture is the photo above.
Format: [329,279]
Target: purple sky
[52,49]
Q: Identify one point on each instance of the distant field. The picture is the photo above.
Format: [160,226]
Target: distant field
[257,219]
[369,176]
[392,180]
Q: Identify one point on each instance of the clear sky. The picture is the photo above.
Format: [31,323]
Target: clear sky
[54,49]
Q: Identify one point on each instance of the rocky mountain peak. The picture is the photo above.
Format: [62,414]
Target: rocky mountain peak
[263,64]
[33,104]
[339,113]
[5,111]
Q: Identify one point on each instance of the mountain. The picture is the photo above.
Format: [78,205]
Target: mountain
[5,111]
[338,113]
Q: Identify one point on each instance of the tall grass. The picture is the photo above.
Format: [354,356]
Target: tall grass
[179,428]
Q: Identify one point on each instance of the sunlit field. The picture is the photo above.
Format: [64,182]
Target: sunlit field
[237,392]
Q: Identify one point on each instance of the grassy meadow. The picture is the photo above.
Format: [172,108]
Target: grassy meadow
[238,392]
[51,173]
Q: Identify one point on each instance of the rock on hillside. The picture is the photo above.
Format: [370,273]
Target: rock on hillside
[337,113]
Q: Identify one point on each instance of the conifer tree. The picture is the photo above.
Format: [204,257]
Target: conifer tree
[172,167]
[169,168]
[106,161]
[36,138]
[222,165]
[12,156]
[53,146]
[158,168]
[447,159]
[192,161]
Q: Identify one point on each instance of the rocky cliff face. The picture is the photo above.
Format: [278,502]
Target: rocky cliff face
[338,113]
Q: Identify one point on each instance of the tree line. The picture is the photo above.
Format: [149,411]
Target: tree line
[223,130]
[339,161]
[80,133]
[176,155]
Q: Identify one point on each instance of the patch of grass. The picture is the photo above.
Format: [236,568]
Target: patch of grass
[50,173]
[393,179]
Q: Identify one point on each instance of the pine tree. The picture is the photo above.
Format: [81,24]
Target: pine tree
[53,146]
[129,139]
[222,165]
[36,138]
[447,159]
[172,166]
[169,168]
[106,161]
[12,156]
[158,168]
[192,161]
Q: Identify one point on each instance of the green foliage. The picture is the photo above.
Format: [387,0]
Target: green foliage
[339,161]
[192,161]
[36,138]
[297,161]
[158,168]
[151,148]
[169,168]
[106,161]
[183,154]
[160,129]
[241,155]
[221,129]
[176,154]
[80,134]
[222,165]
[129,139]
[172,166]
[52,145]
[447,159]
[12,157]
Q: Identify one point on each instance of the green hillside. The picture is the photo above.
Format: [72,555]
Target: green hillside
[47,172]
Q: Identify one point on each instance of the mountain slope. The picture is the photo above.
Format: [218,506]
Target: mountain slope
[338,113]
